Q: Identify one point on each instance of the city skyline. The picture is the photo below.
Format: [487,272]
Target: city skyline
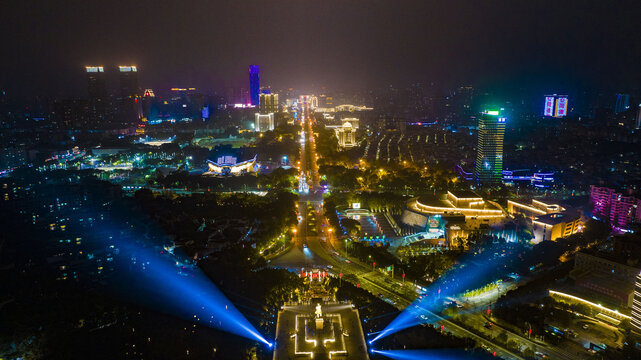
[563,51]
[340,179]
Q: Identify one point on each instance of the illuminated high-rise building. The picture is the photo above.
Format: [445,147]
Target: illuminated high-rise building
[254,84]
[97,89]
[619,209]
[622,104]
[96,82]
[131,102]
[268,103]
[635,321]
[489,150]
[129,87]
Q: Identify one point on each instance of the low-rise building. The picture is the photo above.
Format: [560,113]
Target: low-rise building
[454,215]
[550,220]
[533,209]
[556,225]
[601,279]
[264,122]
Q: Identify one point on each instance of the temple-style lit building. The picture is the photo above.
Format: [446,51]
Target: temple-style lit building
[346,135]
[346,132]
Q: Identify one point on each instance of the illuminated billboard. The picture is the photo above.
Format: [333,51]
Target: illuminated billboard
[93,69]
[127,68]
[561,107]
[556,106]
[549,106]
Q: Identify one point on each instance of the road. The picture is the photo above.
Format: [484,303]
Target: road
[299,256]
[317,249]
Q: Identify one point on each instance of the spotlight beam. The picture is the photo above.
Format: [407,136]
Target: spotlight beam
[475,268]
[157,280]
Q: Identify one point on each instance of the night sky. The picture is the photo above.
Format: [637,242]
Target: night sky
[341,44]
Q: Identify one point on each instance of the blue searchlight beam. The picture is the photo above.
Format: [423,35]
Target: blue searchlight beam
[475,268]
[159,279]
[191,296]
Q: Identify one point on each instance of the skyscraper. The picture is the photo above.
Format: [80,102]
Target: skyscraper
[131,104]
[621,210]
[489,150]
[96,82]
[98,99]
[129,87]
[268,103]
[622,104]
[254,84]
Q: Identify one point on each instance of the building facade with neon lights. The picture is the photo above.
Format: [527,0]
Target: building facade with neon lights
[619,209]
[489,148]
[254,84]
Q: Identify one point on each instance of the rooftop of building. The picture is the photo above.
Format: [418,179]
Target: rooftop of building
[443,204]
[337,336]
[610,282]
[558,217]
[615,258]
[464,194]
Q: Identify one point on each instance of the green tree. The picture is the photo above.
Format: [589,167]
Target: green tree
[502,338]
[352,227]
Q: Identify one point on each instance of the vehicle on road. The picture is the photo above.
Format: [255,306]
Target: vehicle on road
[488,325]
